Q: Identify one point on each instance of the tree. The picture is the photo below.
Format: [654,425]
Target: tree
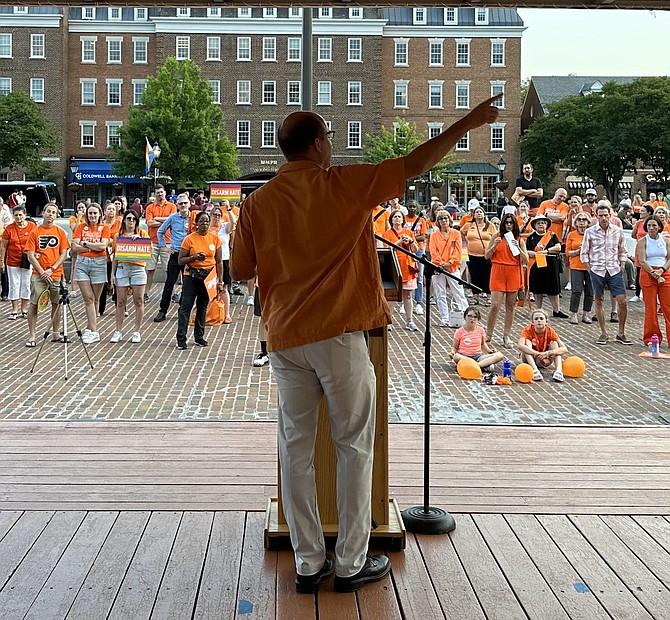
[177,112]
[604,135]
[25,134]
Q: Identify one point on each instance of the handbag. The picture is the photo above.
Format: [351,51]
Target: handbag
[456,318]
[25,263]
[199,275]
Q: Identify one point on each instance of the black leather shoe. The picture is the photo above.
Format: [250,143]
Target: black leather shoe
[309,584]
[376,567]
[160,317]
[560,315]
[201,342]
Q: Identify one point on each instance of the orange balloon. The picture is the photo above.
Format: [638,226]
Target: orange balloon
[574,367]
[468,369]
[524,373]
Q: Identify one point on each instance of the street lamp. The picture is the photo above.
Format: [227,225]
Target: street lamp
[157,153]
[502,185]
[457,183]
[74,185]
[502,164]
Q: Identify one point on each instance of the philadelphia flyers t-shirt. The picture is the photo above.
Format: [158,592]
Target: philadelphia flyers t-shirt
[48,243]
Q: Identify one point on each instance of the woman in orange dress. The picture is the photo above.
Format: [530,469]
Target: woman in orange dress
[399,235]
[506,274]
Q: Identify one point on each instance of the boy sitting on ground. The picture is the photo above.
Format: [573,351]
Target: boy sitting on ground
[541,347]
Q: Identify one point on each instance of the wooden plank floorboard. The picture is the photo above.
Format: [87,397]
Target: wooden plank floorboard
[657,528]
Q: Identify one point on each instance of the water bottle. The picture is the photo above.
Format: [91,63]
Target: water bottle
[653,346]
[507,368]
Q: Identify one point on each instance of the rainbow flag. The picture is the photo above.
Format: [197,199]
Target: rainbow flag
[128,249]
[148,156]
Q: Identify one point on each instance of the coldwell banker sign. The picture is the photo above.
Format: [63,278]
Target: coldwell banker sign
[225,190]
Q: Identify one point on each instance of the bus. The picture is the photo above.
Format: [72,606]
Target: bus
[37,194]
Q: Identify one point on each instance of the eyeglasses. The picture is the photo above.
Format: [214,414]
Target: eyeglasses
[130,219]
[329,135]
[183,203]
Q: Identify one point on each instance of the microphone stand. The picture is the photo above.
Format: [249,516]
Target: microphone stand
[427,519]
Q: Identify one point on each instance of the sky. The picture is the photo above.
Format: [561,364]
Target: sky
[635,43]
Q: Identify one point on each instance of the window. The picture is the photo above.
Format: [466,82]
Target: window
[400,93]
[244,133]
[268,134]
[269,93]
[183,48]
[325,12]
[243,92]
[114,14]
[354,135]
[213,12]
[435,52]
[87,130]
[270,12]
[183,11]
[88,49]
[401,52]
[140,15]
[419,16]
[435,93]
[215,87]
[355,50]
[5,45]
[356,12]
[114,50]
[481,15]
[140,50]
[213,48]
[463,94]
[88,12]
[328,125]
[21,10]
[294,49]
[497,88]
[37,90]
[244,12]
[434,129]
[497,52]
[269,49]
[450,16]
[114,92]
[354,96]
[293,93]
[113,133]
[87,91]
[295,12]
[324,93]
[5,86]
[464,143]
[498,137]
[463,52]
[139,86]
[325,50]
[37,43]
[244,48]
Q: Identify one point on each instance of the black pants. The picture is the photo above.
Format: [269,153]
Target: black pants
[103,296]
[173,271]
[580,282]
[192,292]
[5,283]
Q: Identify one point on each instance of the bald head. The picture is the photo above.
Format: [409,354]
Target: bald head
[298,132]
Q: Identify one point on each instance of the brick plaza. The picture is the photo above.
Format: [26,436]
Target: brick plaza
[154,381]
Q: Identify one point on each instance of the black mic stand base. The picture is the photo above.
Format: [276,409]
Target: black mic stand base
[422,520]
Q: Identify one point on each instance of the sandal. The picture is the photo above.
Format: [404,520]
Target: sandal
[227,320]
[31,344]
[485,302]
[13,316]
[57,338]
[537,376]
[24,315]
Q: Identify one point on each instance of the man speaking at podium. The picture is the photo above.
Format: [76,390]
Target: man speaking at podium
[307,234]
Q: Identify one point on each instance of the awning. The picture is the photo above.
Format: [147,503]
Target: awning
[475,168]
[100,171]
[580,184]
[625,185]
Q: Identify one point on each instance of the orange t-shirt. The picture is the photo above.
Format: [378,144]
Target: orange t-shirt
[540,344]
[417,226]
[549,208]
[464,220]
[572,243]
[525,228]
[92,234]
[379,224]
[156,210]
[207,244]
[403,260]
[446,249]
[48,243]
[16,242]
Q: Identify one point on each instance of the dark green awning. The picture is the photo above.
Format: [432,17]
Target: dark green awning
[471,168]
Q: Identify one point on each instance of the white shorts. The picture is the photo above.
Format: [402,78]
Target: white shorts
[128,274]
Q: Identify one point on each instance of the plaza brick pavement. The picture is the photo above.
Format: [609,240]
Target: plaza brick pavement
[155,381]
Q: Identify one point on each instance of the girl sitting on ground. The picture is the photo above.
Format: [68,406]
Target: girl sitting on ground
[540,347]
[470,341]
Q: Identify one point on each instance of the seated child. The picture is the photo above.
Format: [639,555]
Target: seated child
[541,347]
[470,341]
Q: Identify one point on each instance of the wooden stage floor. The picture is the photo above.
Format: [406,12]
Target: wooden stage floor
[132,520]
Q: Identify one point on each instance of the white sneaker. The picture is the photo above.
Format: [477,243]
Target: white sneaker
[89,337]
[402,309]
[136,337]
[418,310]
[250,300]
[389,328]
[568,286]
[558,377]
[411,326]
[116,336]
[635,299]
[261,359]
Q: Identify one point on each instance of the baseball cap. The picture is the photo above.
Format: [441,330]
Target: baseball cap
[591,191]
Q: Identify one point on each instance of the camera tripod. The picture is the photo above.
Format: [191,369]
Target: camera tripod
[64,300]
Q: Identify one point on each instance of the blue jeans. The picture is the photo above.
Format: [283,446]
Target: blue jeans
[418,292]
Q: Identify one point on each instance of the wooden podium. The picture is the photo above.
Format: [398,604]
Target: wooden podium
[385,512]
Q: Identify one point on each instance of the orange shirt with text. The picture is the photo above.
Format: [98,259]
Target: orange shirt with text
[48,243]
[549,208]
[92,234]
[207,244]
